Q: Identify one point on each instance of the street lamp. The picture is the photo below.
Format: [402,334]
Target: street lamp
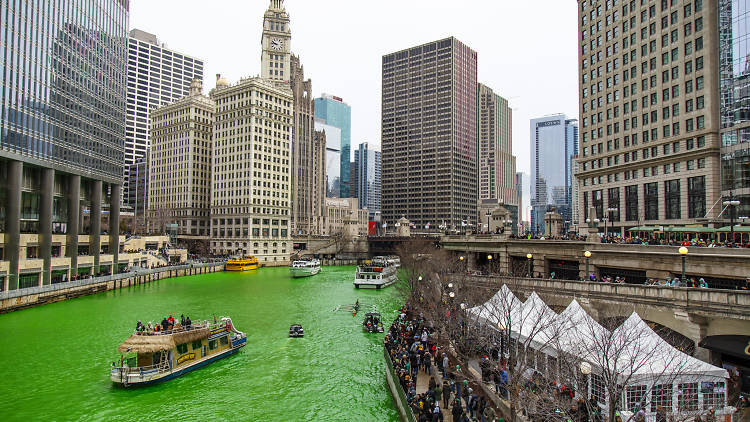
[528,262]
[608,218]
[452,295]
[489,263]
[587,254]
[585,368]
[420,278]
[731,202]
[683,252]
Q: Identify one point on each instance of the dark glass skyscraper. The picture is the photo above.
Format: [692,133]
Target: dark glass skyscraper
[63,86]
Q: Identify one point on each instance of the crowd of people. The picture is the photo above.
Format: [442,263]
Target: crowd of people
[415,354]
[167,324]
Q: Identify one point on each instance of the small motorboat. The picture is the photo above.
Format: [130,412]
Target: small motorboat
[372,323]
[296,330]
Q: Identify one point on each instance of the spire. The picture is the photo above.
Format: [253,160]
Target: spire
[276,5]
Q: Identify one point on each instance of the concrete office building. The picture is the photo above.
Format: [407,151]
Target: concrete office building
[62,124]
[157,76]
[138,193]
[308,155]
[524,195]
[649,98]
[335,112]
[250,172]
[367,181]
[180,165]
[344,218]
[497,165]
[734,69]
[554,142]
[332,157]
[429,134]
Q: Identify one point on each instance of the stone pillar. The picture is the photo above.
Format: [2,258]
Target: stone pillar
[74,217]
[45,223]
[114,224]
[13,222]
[696,329]
[96,224]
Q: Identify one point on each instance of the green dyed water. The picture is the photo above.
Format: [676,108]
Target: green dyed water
[54,359]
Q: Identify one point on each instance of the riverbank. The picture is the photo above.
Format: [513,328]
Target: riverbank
[14,300]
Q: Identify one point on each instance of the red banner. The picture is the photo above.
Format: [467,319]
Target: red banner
[372,228]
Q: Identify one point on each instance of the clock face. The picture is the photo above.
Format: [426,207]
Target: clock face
[277,44]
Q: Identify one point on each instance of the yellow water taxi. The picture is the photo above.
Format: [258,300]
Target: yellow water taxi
[242,264]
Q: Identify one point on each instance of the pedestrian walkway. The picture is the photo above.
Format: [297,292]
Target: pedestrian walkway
[423,384]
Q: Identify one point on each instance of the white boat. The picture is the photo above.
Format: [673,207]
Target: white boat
[376,274]
[305,268]
[394,260]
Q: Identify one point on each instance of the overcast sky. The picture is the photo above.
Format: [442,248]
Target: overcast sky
[527,49]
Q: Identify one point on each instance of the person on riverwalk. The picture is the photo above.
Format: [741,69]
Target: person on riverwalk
[437,393]
[446,393]
[457,410]
[445,364]
[488,415]
[427,362]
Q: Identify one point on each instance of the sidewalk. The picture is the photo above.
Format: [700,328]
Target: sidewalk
[423,383]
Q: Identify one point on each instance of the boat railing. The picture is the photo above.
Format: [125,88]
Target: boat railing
[159,368]
[181,329]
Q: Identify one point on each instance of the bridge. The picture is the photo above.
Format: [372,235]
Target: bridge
[697,314]
[721,267]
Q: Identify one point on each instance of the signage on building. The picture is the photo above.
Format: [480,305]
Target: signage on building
[372,228]
[549,123]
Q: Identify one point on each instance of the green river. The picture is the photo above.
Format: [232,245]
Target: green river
[55,359]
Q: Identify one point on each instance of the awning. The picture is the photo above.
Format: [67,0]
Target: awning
[737,229]
[690,229]
[644,229]
[731,345]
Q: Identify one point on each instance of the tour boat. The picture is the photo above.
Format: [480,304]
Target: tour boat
[377,274]
[242,264]
[149,357]
[305,268]
[394,260]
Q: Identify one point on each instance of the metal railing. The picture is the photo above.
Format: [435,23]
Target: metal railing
[401,395]
[137,272]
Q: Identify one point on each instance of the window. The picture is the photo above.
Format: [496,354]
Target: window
[700,122]
[701,141]
[689,125]
[699,44]
[598,388]
[651,200]
[224,340]
[613,201]
[635,396]
[197,345]
[699,83]
[631,203]
[213,344]
[688,106]
[713,394]
[688,86]
[699,103]
[182,348]
[699,63]
[697,197]
[701,163]
[672,200]
[661,395]
[690,165]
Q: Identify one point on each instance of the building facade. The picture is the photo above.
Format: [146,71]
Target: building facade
[180,165]
[734,85]
[429,134]
[554,142]
[250,171]
[138,193]
[344,218]
[157,76]
[497,164]
[308,172]
[367,180]
[332,136]
[650,115]
[62,125]
[333,111]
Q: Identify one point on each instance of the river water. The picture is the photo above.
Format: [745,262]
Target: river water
[54,359]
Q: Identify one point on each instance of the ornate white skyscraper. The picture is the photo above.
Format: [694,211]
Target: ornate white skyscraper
[276,43]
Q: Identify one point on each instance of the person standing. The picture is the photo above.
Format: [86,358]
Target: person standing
[445,363]
[446,394]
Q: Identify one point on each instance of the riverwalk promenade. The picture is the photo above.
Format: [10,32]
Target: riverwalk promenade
[14,300]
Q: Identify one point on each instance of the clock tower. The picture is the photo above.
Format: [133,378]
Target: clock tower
[276,43]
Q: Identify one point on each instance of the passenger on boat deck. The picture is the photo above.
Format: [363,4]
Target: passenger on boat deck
[164,324]
[139,326]
[171,321]
[187,322]
[182,320]
[149,327]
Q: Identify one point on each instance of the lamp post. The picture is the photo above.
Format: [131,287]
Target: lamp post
[683,253]
[489,264]
[488,215]
[731,202]
[608,218]
[528,263]
[587,254]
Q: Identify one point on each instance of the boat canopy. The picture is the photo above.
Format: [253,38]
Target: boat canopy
[142,343]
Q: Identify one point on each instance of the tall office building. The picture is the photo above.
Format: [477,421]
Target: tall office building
[734,68]
[276,43]
[335,112]
[649,98]
[138,193]
[523,190]
[250,172]
[180,165]
[308,190]
[367,179]
[554,142]
[497,165]
[429,134]
[332,157]
[157,76]
[62,126]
